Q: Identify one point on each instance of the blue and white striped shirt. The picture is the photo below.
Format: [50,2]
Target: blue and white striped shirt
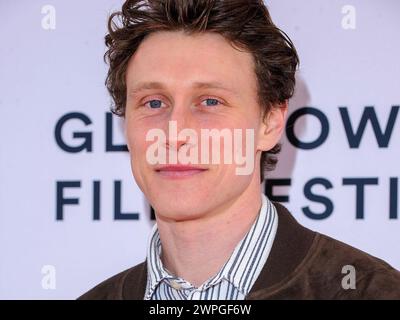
[236,277]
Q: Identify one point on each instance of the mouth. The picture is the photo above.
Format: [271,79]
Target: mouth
[179,171]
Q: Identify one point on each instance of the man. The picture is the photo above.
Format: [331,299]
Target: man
[198,65]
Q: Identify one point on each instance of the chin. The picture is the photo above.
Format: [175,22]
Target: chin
[181,208]
[179,213]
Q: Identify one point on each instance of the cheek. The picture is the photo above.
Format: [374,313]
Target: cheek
[137,132]
[136,139]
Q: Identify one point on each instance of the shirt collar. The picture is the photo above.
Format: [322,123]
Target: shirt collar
[247,258]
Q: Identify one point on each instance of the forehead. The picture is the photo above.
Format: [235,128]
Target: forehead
[173,56]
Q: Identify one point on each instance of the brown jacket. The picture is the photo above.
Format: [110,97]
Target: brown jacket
[302,264]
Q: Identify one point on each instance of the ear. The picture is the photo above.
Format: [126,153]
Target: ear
[271,126]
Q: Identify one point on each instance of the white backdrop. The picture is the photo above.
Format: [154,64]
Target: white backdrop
[51,66]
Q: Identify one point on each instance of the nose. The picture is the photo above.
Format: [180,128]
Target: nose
[180,118]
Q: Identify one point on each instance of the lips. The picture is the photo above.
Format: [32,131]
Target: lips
[179,171]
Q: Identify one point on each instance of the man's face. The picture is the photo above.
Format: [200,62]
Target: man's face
[178,63]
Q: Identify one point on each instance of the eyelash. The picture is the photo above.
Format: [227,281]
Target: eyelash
[206,98]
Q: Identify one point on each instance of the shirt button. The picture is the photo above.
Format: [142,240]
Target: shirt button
[176,285]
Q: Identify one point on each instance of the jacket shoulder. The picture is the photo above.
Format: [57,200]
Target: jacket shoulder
[304,264]
[361,275]
[114,287]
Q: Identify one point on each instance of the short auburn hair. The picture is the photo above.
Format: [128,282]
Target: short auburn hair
[246,24]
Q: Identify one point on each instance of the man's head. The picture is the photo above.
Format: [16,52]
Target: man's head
[169,59]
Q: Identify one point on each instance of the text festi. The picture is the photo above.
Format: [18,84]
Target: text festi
[354,137]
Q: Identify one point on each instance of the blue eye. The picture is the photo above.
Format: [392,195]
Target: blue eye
[212,102]
[155,104]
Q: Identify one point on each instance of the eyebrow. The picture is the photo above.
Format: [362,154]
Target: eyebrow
[141,86]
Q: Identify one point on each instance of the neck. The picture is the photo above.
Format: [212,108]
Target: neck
[196,250]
